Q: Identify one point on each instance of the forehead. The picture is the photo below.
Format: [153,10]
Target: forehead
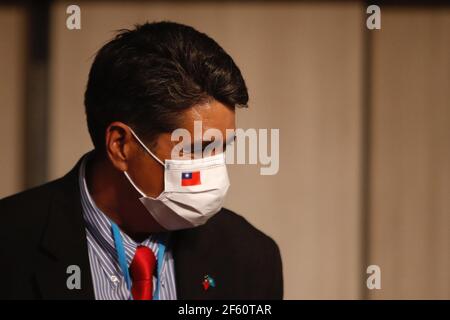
[212,115]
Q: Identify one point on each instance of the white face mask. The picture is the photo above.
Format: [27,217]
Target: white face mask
[194,190]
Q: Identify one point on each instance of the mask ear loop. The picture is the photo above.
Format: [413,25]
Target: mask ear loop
[151,153]
[134,185]
[145,147]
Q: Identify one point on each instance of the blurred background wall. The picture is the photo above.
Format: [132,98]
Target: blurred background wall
[12,77]
[364,119]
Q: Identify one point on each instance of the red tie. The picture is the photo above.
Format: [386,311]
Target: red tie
[141,271]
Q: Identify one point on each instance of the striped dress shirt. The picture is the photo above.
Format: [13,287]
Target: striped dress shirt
[108,280]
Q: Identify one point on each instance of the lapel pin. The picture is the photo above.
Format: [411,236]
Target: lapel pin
[208,281]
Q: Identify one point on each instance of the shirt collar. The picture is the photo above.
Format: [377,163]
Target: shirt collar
[99,225]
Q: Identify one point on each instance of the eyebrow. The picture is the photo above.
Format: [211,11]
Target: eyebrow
[204,144]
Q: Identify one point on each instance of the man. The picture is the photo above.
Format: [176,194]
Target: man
[130,221]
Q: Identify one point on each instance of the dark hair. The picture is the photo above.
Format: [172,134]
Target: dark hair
[147,76]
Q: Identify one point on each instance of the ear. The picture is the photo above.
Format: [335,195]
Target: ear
[119,145]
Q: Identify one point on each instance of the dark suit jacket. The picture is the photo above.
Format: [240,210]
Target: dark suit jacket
[42,233]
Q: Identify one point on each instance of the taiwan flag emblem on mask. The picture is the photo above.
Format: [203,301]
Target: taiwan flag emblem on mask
[190,178]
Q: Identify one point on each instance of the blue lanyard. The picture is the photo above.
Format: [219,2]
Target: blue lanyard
[118,242]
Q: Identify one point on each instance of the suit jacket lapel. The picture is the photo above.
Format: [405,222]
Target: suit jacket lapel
[195,256]
[64,244]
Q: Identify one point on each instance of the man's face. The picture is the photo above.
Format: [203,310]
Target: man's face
[148,174]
